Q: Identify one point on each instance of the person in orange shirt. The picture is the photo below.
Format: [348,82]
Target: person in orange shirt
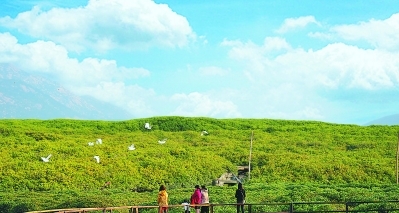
[163,199]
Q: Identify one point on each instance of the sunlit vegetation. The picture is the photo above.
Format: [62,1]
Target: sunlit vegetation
[291,161]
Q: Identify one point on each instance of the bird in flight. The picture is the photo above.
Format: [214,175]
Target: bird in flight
[147,126]
[97,158]
[131,147]
[46,160]
[99,141]
[162,141]
[204,133]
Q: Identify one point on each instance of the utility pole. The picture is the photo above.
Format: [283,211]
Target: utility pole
[250,155]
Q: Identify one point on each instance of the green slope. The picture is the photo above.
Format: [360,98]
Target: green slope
[284,152]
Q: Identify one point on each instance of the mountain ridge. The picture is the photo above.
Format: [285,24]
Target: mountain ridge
[386,120]
[23,95]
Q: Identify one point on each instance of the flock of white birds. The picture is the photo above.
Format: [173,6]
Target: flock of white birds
[130,148]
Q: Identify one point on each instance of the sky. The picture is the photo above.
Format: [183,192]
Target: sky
[331,61]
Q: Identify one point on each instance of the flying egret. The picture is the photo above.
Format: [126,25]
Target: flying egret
[131,147]
[162,141]
[91,143]
[46,160]
[97,158]
[204,133]
[99,141]
[147,126]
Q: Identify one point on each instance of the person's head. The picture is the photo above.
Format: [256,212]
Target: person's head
[239,185]
[203,187]
[197,187]
[162,187]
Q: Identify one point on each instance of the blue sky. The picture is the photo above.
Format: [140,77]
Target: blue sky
[332,61]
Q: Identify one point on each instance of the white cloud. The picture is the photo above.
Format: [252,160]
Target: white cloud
[295,23]
[297,83]
[47,57]
[258,58]
[334,66]
[104,25]
[382,34]
[132,98]
[105,80]
[197,104]
[303,84]
[100,78]
[351,67]
[321,35]
[276,44]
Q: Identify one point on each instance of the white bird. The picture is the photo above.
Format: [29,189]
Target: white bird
[97,158]
[162,141]
[91,143]
[147,126]
[99,141]
[46,159]
[204,133]
[131,147]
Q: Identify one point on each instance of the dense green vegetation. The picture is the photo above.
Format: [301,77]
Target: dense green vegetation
[291,161]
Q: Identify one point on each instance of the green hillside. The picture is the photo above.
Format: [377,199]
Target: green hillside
[285,154]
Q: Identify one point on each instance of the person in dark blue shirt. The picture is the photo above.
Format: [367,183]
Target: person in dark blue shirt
[240,196]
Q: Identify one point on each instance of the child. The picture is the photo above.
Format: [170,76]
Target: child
[186,206]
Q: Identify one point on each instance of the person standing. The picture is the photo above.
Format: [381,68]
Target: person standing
[240,196]
[196,199]
[162,199]
[204,199]
[186,206]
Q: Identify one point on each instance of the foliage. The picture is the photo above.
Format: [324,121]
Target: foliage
[290,161]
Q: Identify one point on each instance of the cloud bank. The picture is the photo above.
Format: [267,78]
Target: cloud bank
[104,25]
[356,63]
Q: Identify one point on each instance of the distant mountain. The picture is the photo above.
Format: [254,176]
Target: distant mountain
[387,120]
[26,96]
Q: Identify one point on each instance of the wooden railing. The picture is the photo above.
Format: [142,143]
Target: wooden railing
[293,207]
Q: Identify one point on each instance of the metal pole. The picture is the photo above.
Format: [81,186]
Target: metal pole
[397,159]
[250,155]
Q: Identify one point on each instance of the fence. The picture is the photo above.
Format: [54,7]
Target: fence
[293,207]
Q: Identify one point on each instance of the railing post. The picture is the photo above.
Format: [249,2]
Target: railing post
[249,208]
[211,208]
[291,210]
[346,207]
